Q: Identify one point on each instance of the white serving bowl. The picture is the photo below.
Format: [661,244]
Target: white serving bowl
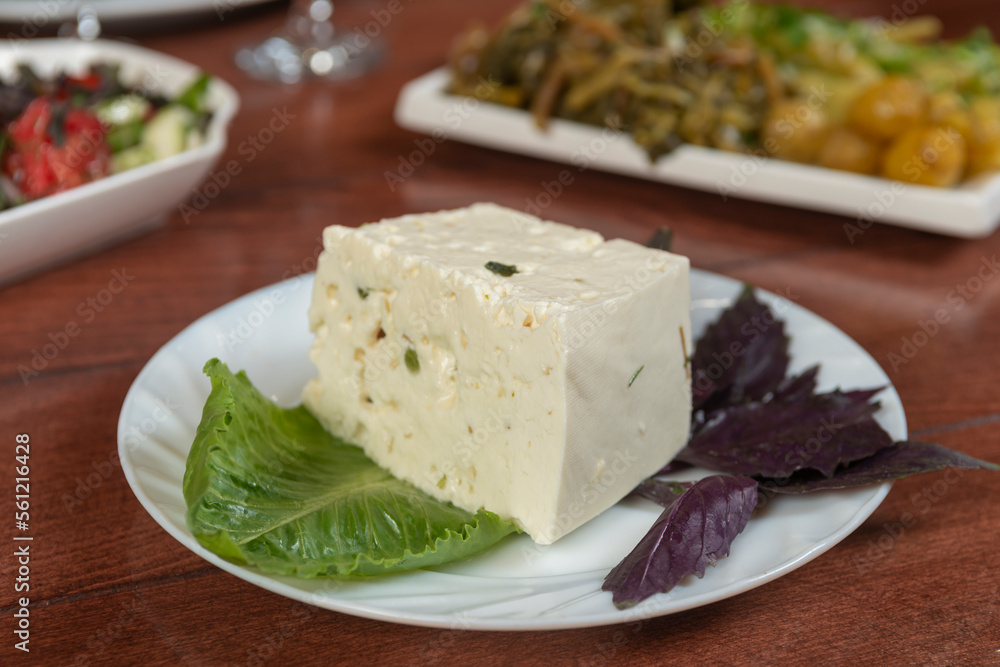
[38,234]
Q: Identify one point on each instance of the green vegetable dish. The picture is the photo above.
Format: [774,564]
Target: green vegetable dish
[881,97]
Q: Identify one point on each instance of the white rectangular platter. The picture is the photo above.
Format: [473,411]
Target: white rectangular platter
[969,210]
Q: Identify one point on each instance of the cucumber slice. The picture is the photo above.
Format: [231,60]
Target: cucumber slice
[167,133]
[130,158]
[123,110]
[125,136]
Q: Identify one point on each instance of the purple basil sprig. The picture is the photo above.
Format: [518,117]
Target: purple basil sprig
[899,460]
[770,434]
[715,508]
[743,356]
[778,437]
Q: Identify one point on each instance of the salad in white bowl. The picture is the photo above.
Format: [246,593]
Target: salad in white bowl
[101,139]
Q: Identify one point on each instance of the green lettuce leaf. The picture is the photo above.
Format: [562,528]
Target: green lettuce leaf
[269,487]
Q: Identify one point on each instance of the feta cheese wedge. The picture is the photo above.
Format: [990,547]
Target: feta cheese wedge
[501,362]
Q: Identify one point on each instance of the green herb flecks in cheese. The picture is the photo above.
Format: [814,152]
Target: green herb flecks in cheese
[505,270]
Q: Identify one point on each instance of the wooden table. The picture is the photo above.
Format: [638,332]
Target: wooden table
[109,586]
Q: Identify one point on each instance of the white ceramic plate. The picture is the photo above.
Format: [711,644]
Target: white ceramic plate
[971,209]
[94,215]
[37,14]
[517,585]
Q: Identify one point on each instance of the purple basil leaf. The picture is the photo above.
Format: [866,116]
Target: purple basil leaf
[660,491]
[695,532]
[742,356]
[900,460]
[793,389]
[662,239]
[775,439]
[861,395]
[797,388]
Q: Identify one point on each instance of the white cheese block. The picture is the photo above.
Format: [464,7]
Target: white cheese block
[544,396]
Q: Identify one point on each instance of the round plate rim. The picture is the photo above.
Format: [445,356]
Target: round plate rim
[646,610]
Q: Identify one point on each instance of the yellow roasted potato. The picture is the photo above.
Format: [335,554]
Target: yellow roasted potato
[889,108]
[847,150]
[948,108]
[932,155]
[795,129]
[984,135]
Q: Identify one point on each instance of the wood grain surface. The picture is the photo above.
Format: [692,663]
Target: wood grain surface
[109,586]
